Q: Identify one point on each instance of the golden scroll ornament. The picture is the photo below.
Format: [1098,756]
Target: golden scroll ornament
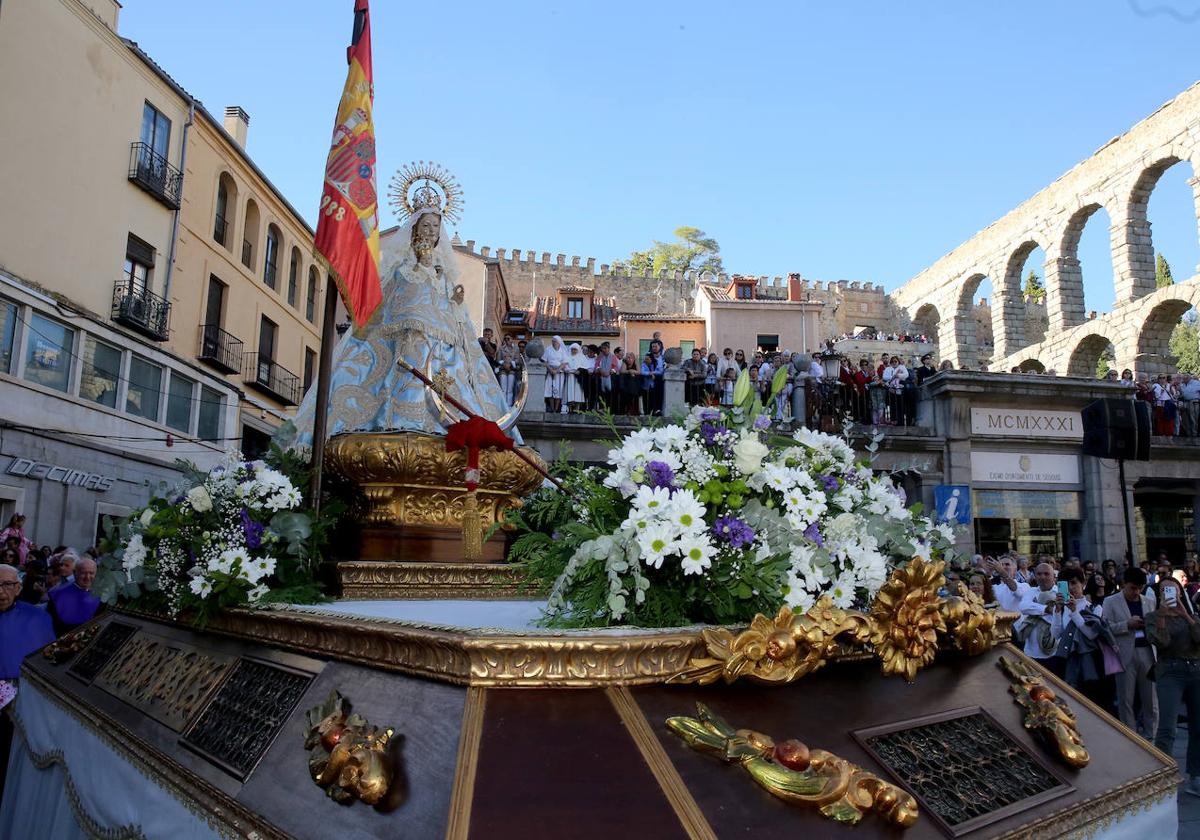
[1046,714]
[840,789]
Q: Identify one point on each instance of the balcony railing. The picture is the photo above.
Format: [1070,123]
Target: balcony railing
[151,171]
[139,309]
[262,374]
[220,228]
[220,349]
[247,254]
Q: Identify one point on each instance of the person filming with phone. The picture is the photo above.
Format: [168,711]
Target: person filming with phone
[1175,634]
[1041,622]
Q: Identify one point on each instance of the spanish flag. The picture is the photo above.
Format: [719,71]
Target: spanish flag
[348,228]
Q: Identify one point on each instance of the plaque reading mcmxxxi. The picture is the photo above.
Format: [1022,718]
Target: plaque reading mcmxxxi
[963,768]
[244,716]
[89,663]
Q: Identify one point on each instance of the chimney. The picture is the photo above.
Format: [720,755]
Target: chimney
[794,294]
[106,10]
[237,123]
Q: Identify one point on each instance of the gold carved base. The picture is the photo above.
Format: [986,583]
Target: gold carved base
[369,579]
[414,496]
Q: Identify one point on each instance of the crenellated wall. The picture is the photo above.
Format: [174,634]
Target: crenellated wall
[529,273]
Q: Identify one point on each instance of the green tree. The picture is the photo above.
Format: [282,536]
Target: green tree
[693,250]
[1034,289]
[1162,273]
[1101,368]
[1184,345]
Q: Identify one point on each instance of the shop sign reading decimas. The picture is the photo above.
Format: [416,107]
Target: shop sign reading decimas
[1024,467]
[43,471]
[1026,423]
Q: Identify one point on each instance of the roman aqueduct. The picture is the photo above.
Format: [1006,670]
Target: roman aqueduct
[1119,177]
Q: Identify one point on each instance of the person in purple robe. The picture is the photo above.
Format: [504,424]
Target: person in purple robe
[71,602]
[24,629]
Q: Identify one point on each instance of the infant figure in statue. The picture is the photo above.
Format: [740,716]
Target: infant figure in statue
[423,320]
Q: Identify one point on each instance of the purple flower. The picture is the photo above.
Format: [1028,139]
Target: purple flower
[710,431]
[762,422]
[734,531]
[253,530]
[813,534]
[831,482]
[178,500]
[659,474]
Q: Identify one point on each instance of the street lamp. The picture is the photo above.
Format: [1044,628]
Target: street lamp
[831,362]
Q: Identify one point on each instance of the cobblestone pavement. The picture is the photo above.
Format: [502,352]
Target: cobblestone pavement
[1189,806]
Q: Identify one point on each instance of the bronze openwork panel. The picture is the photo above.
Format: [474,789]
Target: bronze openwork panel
[95,656]
[163,678]
[244,716]
[964,769]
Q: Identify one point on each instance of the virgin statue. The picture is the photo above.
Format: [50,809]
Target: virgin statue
[423,320]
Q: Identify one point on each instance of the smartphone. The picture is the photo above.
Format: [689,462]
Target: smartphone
[1063,590]
[1170,596]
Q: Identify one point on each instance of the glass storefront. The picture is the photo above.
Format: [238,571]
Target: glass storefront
[1165,522]
[1029,522]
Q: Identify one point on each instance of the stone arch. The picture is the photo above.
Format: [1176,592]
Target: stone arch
[1154,333]
[1008,307]
[926,321]
[1065,298]
[965,343]
[1133,245]
[1085,356]
[225,199]
[1031,366]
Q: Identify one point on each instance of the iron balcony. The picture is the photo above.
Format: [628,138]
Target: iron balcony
[263,374]
[151,171]
[141,310]
[220,349]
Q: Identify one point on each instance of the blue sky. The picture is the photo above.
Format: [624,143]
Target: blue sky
[857,140]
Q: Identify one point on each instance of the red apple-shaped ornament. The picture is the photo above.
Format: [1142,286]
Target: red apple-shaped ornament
[332,736]
[792,754]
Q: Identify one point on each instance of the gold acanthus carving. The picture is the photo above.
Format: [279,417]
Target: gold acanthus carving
[840,789]
[908,623]
[470,658]
[375,579]
[409,478]
[167,680]
[1046,714]
[348,757]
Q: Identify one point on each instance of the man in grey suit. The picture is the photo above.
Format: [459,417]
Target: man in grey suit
[1125,613]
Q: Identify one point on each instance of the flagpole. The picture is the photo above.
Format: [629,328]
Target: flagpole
[321,413]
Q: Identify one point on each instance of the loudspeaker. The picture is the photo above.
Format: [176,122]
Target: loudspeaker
[1115,428]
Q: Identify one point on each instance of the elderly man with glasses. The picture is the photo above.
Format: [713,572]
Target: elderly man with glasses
[24,629]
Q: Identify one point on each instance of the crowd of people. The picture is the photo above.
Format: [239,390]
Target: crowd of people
[1127,638]
[44,593]
[878,392]
[871,334]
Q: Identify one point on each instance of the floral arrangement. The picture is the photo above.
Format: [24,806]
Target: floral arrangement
[715,519]
[237,535]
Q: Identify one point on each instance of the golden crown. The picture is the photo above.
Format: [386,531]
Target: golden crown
[425,185]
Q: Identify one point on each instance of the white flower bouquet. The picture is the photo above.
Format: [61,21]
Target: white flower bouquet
[713,520]
[236,535]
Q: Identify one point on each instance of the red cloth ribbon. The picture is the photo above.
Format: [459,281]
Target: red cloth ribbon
[472,435]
